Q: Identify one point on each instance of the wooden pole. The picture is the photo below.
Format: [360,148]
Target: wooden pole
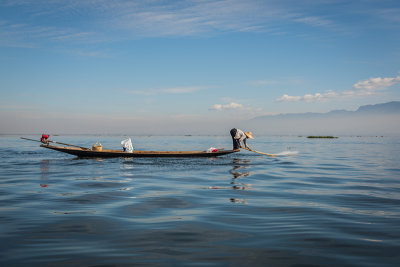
[55,143]
[271,155]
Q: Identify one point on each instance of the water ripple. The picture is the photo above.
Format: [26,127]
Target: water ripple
[332,204]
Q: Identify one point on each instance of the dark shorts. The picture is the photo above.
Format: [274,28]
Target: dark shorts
[236,142]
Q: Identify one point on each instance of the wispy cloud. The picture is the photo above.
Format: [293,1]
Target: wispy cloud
[26,35]
[181,90]
[264,82]
[389,14]
[198,17]
[109,21]
[367,87]
[316,21]
[285,81]
[142,92]
[125,19]
[170,90]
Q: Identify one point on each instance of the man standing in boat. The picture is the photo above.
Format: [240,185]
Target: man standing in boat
[238,136]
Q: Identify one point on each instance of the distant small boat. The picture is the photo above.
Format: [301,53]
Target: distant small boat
[107,153]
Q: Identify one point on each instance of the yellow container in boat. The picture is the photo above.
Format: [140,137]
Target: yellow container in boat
[97,147]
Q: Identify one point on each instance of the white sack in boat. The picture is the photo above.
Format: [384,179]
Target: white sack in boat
[127,145]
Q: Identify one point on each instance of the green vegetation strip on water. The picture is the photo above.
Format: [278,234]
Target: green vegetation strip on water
[329,137]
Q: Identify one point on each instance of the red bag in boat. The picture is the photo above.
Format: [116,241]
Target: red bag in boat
[44,138]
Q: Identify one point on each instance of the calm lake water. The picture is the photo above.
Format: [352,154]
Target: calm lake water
[335,203]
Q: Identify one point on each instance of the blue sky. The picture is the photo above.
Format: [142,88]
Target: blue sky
[190,66]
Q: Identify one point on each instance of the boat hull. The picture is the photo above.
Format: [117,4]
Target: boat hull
[89,153]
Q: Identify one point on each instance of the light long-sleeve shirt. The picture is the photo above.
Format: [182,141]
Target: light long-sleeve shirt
[241,136]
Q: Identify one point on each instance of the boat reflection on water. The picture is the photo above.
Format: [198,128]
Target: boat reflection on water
[44,172]
[237,200]
[239,168]
[238,171]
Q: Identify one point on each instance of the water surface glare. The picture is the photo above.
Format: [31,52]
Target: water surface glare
[335,203]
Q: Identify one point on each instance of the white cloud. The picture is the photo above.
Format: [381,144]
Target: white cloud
[232,105]
[376,83]
[371,86]
[289,98]
[367,87]
[308,97]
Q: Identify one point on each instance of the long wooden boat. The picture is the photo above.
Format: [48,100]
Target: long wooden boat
[107,153]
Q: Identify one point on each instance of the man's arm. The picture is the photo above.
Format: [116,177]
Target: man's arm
[245,143]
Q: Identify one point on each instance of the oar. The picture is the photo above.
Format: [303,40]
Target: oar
[271,155]
[55,143]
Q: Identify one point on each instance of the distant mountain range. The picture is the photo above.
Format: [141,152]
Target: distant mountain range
[378,109]
[385,108]
[380,119]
